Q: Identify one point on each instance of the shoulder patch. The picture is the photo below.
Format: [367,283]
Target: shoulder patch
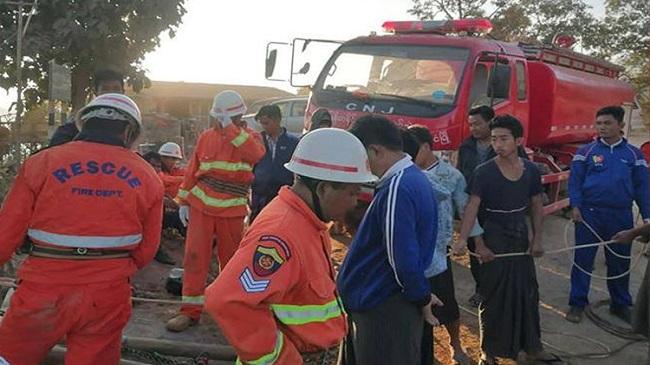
[266,260]
[280,242]
[250,284]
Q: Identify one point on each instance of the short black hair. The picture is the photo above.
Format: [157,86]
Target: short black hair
[269,111]
[510,123]
[152,156]
[410,143]
[615,111]
[107,74]
[486,112]
[373,129]
[108,127]
[422,134]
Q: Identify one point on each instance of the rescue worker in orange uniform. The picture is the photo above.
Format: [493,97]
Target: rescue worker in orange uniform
[214,198]
[93,209]
[171,174]
[172,177]
[276,300]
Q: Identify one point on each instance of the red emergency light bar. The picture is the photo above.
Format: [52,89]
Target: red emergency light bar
[479,25]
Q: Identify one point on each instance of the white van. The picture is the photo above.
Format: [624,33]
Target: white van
[292,109]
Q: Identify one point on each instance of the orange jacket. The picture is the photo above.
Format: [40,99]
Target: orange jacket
[277,297]
[226,154]
[172,181]
[83,195]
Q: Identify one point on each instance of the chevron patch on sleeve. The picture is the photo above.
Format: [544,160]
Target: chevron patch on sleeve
[250,284]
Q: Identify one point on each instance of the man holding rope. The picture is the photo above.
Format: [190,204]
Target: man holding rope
[607,176]
[502,190]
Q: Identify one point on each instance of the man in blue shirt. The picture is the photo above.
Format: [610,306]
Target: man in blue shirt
[607,176]
[270,173]
[382,281]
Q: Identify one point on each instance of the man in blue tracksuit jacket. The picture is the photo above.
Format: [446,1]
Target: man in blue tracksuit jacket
[607,176]
[382,282]
[270,173]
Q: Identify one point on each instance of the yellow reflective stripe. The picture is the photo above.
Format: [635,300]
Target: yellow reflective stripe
[271,252]
[267,359]
[225,165]
[218,203]
[193,300]
[240,139]
[183,193]
[303,314]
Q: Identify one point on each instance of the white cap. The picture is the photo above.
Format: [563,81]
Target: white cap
[226,105]
[331,154]
[171,149]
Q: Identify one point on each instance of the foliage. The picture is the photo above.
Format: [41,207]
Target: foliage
[85,35]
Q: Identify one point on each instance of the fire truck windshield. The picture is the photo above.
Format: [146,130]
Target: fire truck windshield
[429,74]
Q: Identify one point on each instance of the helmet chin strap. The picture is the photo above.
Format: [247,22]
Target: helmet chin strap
[312,185]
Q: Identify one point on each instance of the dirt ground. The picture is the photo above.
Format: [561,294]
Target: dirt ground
[560,337]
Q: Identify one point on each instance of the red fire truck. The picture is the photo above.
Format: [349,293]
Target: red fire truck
[432,72]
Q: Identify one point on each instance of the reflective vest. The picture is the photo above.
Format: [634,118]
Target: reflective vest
[277,297]
[88,196]
[226,155]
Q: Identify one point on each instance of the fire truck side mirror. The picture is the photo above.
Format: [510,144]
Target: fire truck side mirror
[499,87]
[271,58]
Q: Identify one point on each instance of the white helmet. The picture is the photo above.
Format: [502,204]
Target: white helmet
[113,107]
[171,149]
[226,105]
[331,154]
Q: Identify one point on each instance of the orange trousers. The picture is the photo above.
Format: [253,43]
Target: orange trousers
[202,231]
[90,317]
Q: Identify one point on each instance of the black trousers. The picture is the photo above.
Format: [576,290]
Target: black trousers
[172,220]
[389,334]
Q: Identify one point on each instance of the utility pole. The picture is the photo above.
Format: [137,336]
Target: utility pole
[20,33]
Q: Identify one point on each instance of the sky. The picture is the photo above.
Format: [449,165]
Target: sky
[225,41]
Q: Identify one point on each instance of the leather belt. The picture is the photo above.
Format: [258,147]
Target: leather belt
[325,357]
[220,186]
[79,253]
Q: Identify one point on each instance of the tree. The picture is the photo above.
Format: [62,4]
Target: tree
[85,35]
[451,9]
[624,36]
[515,20]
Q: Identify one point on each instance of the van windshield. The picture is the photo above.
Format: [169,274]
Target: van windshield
[429,74]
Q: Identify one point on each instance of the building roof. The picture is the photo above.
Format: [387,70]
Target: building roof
[192,90]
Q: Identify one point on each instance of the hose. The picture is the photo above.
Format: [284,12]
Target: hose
[622,332]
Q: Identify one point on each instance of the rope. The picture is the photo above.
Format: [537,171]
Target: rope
[593,231]
[606,353]
[635,262]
